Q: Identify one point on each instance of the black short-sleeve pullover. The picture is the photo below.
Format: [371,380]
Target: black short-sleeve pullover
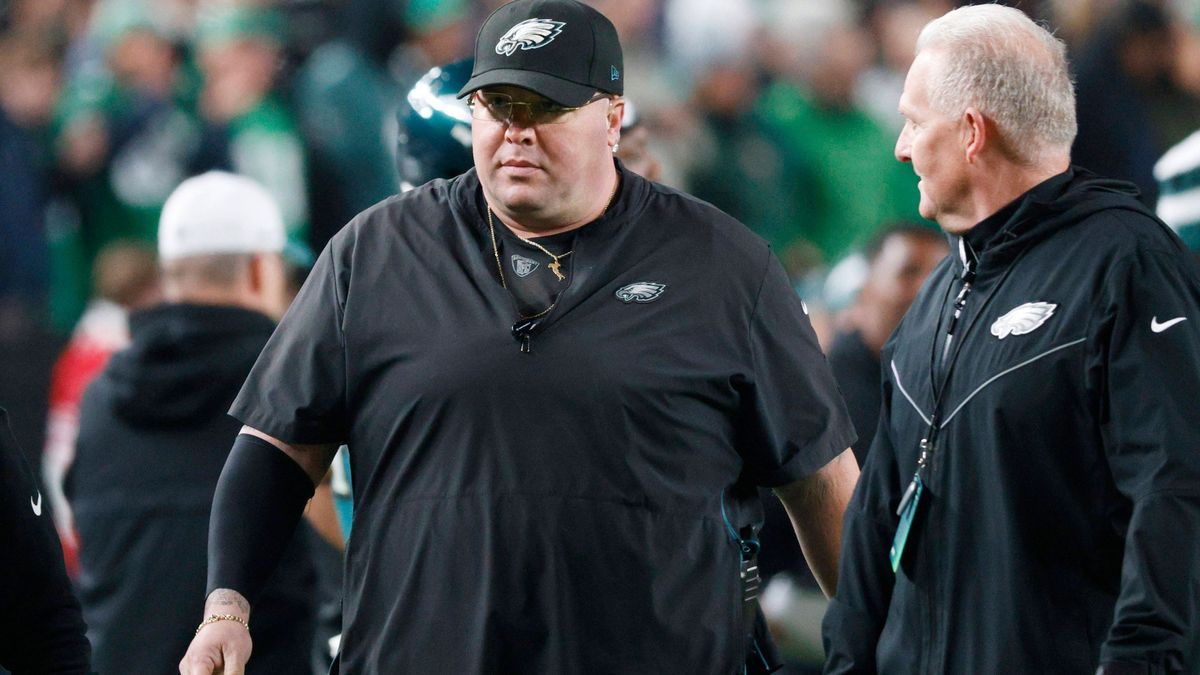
[562,509]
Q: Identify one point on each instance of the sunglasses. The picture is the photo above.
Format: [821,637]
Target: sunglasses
[496,107]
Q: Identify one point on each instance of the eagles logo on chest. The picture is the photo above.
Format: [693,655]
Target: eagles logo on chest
[642,292]
[1023,319]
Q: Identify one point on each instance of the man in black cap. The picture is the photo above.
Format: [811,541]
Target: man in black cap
[561,386]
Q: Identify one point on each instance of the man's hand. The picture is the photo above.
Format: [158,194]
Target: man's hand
[221,647]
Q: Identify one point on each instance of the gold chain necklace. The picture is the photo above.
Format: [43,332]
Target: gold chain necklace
[500,268]
[554,266]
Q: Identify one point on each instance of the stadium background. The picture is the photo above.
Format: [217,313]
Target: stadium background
[781,112]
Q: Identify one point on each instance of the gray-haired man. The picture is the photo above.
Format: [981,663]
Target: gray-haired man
[1031,502]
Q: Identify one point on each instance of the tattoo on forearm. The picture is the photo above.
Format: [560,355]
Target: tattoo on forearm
[225,597]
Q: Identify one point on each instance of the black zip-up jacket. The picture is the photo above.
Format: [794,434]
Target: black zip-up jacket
[1059,527]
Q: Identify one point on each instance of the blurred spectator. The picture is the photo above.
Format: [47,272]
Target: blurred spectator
[32,15]
[634,147]
[439,28]
[1076,20]
[1178,171]
[899,257]
[640,25]
[732,161]
[1186,71]
[30,61]
[29,88]
[124,279]
[411,35]
[1130,109]
[349,90]
[837,160]
[345,104]
[895,25]
[126,136]
[153,438]
[374,27]
[248,129]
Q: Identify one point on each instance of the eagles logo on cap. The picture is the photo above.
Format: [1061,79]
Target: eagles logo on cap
[529,34]
[518,46]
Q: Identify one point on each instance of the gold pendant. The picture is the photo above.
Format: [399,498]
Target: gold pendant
[556,267]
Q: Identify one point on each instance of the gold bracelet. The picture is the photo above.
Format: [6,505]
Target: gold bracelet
[213,618]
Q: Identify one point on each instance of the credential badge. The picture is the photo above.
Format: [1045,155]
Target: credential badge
[529,34]
[1024,319]
[523,266]
[641,291]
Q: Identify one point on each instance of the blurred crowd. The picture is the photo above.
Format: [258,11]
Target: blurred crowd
[780,112]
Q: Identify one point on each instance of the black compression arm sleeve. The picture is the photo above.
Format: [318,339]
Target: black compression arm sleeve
[259,500]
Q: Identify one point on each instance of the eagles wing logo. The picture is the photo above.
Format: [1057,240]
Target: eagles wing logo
[1024,319]
[523,266]
[642,291]
[529,34]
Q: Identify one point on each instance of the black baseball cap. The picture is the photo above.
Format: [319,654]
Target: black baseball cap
[560,49]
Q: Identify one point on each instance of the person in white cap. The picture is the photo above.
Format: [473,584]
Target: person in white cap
[220,241]
[153,437]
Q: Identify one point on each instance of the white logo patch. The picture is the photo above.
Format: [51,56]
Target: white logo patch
[529,34]
[1024,319]
[642,291]
[1160,327]
[37,506]
[524,266]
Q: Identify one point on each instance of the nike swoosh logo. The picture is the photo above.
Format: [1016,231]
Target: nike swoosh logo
[1160,327]
[37,506]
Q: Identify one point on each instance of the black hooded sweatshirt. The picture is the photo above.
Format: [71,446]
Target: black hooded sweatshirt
[1059,526]
[153,439]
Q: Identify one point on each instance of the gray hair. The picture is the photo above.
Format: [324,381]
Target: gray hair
[1015,71]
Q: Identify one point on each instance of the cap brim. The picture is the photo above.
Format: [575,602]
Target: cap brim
[562,92]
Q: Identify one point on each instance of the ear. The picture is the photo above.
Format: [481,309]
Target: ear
[616,113]
[268,284]
[975,134]
[257,272]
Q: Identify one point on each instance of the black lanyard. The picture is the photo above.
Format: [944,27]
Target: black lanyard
[947,362]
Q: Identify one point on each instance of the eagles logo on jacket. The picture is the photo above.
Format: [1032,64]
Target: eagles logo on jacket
[1059,526]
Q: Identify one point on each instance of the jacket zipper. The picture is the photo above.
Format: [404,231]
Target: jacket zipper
[934,660]
[524,328]
[934,663]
